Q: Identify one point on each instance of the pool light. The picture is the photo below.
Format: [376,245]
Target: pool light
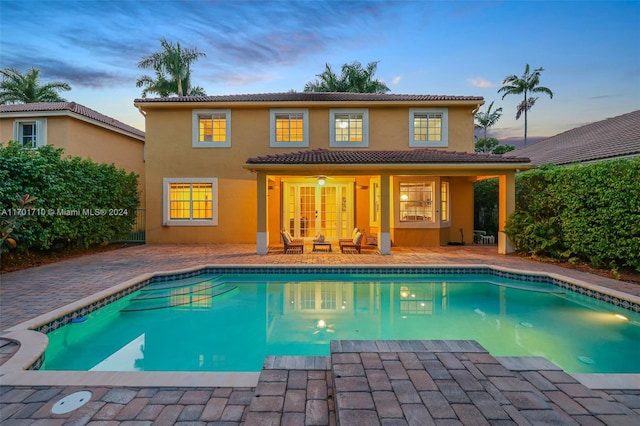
[622,317]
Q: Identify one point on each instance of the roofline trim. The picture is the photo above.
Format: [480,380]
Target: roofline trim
[289,103]
[341,167]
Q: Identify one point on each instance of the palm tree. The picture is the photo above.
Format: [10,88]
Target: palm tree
[484,120]
[525,84]
[353,78]
[17,88]
[173,70]
[164,88]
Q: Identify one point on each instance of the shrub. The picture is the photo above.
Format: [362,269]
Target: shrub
[589,212]
[77,200]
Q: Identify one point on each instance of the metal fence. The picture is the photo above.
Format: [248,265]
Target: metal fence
[137,234]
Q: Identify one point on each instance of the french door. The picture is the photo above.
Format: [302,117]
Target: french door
[310,209]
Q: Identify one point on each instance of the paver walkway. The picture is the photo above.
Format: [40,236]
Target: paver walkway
[388,385]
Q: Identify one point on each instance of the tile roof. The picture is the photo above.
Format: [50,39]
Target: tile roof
[72,107]
[614,137]
[313,97]
[415,156]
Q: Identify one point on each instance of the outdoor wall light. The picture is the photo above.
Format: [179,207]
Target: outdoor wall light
[321,180]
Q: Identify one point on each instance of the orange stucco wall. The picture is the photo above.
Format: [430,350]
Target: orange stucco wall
[169,154]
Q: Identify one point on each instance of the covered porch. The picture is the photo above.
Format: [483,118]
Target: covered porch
[413,198]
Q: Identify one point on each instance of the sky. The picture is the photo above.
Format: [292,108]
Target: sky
[590,50]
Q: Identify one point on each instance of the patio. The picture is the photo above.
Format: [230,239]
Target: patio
[288,395]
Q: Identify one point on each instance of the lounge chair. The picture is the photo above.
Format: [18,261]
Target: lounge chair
[348,240]
[291,245]
[355,244]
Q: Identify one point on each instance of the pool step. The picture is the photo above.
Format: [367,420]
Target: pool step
[179,299]
[161,285]
[179,291]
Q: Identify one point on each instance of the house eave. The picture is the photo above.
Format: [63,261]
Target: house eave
[421,168]
[288,104]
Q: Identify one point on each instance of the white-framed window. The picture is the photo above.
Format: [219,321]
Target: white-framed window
[374,202]
[289,127]
[445,204]
[190,201]
[428,127]
[349,128]
[211,128]
[416,201]
[30,133]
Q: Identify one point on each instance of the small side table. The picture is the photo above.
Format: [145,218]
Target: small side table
[326,246]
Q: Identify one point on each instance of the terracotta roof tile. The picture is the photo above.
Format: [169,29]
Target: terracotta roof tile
[313,97]
[415,156]
[72,107]
[614,137]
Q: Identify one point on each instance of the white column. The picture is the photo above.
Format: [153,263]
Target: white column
[262,236]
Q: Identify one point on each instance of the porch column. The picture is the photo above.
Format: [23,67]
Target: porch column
[506,206]
[262,236]
[384,237]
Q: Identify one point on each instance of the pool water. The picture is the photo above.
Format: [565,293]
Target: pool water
[232,322]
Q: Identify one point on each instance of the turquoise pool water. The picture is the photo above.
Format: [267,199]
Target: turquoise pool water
[231,322]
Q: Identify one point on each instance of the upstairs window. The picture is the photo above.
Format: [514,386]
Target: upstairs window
[349,128]
[30,133]
[289,128]
[428,127]
[211,129]
[190,201]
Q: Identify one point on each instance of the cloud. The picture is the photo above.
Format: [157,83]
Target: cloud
[613,95]
[240,38]
[396,79]
[481,82]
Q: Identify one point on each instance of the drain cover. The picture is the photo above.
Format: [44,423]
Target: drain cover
[71,402]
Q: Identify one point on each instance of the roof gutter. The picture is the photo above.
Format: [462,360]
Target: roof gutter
[316,103]
[375,168]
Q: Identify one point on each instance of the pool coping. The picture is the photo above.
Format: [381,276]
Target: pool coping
[21,368]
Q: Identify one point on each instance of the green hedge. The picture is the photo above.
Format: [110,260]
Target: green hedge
[78,201]
[585,212]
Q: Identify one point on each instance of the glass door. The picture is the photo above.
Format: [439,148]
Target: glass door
[310,209]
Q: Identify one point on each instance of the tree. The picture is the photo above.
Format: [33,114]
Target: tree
[492,146]
[484,120]
[172,67]
[525,85]
[18,88]
[353,78]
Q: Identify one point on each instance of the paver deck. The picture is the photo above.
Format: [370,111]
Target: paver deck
[364,382]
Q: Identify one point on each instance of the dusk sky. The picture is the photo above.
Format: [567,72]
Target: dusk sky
[590,51]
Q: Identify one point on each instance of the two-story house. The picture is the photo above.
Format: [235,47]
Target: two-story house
[239,168]
[81,131]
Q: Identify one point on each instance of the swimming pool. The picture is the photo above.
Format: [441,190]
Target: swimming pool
[230,319]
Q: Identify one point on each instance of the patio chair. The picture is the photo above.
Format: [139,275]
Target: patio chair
[291,245]
[348,240]
[355,244]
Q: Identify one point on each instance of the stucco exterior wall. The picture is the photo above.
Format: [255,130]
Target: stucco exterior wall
[169,154]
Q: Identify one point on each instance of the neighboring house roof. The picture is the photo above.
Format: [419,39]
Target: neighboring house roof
[313,97]
[415,156]
[58,108]
[611,138]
